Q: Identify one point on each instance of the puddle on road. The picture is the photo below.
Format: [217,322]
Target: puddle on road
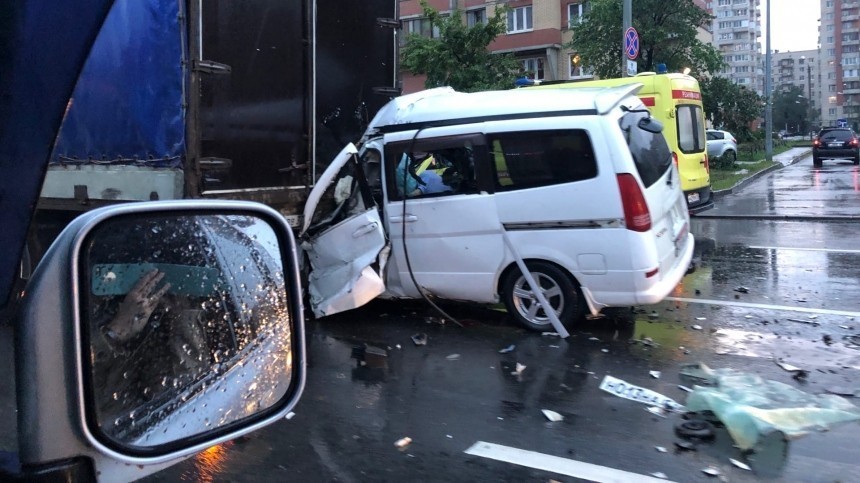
[799,350]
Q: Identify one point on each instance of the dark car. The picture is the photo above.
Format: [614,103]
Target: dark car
[835,143]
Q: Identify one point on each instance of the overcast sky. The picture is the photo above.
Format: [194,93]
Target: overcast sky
[794,23]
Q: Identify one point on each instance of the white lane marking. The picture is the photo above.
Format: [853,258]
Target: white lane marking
[748,305]
[554,464]
[829,250]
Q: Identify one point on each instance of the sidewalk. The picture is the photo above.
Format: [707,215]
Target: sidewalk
[787,158]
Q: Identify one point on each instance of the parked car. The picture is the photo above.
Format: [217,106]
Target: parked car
[577,185]
[721,143]
[835,143]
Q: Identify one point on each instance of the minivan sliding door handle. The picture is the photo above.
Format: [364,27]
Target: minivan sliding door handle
[400,219]
[364,230]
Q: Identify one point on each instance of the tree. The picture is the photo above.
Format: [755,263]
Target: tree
[667,35]
[791,110]
[459,56]
[730,106]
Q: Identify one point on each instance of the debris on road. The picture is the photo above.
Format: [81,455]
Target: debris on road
[827,339]
[507,349]
[626,390]
[685,445]
[419,339]
[605,351]
[552,415]
[403,442]
[519,370]
[660,449]
[656,411]
[701,318]
[453,357]
[798,373]
[654,315]
[742,289]
[659,474]
[594,338]
[740,464]
[550,334]
[804,321]
[684,388]
[844,391]
[711,471]
[696,327]
[695,429]
[752,407]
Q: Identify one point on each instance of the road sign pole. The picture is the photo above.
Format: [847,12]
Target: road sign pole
[627,22]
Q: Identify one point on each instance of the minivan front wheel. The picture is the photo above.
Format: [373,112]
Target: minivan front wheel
[559,288]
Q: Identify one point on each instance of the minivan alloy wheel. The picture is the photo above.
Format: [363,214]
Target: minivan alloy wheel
[558,288]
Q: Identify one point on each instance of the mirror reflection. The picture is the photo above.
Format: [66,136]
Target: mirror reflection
[187,323]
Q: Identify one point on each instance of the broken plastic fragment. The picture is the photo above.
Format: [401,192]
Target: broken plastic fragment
[419,339]
[656,411]
[594,338]
[453,357]
[519,370]
[550,334]
[787,367]
[753,408]
[654,374]
[507,349]
[740,465]
[605,351]
[742,289]
[711,471]
[684,388]
[696,327]
[660,449]
[658,474]
[701,318]
[403,442]
[552,415]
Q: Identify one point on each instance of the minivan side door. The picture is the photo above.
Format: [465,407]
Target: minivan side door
[448,226]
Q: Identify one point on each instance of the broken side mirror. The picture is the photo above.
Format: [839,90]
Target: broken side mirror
[158,330]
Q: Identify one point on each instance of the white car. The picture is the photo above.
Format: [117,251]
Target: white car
[577,185]
[721,143]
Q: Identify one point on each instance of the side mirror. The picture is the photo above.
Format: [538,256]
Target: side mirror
[179,326]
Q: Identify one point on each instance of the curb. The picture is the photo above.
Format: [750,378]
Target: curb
[742,183]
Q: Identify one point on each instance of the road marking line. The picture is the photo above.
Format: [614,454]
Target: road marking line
[830,250]
[554,464]
[749,305]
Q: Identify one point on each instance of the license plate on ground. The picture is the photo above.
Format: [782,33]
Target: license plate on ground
[692,197]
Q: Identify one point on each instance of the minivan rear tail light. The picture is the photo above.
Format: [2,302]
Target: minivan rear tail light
[636,214]
[675,158]
[707,163]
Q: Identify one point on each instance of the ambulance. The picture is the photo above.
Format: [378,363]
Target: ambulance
[676,101]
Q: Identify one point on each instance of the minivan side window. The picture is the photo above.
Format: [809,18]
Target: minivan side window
[434,167]
[690,130]
[541,158]
[650,152]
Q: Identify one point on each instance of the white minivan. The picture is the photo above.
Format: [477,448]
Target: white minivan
[447,190]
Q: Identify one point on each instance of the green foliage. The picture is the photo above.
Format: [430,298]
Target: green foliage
[791,110]
[722,162]
[731,107]
[667,35]
[459,56]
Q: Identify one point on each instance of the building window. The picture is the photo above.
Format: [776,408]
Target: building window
[831,88]
[832,110]
[476,17]
[533,68]
[420,26]
[520,19]
[575,12]
[575,68]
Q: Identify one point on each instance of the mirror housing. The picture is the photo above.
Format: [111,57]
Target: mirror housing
[60,416]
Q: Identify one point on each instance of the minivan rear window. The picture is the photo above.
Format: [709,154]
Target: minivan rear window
[650,151]
[691,132]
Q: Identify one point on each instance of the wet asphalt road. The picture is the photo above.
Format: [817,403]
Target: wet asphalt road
[800,306]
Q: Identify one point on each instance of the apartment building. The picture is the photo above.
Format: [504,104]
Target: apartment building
[737,32]
[537,33]
[839,41]
[801,68]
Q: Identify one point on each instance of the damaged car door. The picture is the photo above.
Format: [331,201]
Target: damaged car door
[343,238]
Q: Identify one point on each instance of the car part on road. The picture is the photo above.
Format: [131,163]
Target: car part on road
[419,339]
[626,390]
[695,429]
[508,349]
[552,415]
[685,445]
[712,471]
[560,291]
[740,464]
